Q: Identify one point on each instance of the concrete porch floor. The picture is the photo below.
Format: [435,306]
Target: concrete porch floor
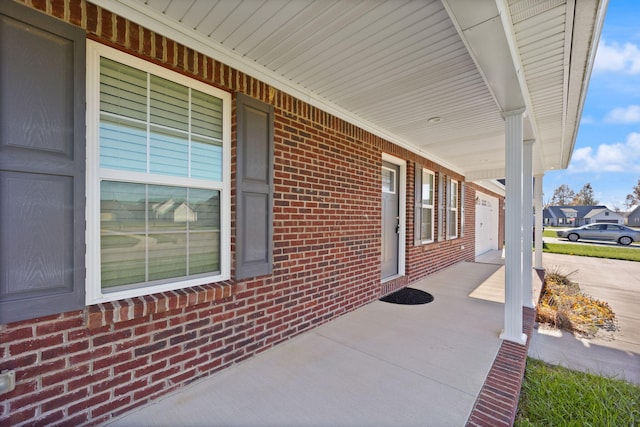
[381,365]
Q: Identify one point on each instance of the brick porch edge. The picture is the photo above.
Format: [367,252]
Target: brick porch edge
[497,403]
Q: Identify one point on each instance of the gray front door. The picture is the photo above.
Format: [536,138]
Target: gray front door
[390,219]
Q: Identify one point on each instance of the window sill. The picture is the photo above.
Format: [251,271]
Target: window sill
[114,312]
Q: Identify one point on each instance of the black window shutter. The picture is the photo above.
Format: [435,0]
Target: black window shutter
[254,188]
[417,216]
[42,164]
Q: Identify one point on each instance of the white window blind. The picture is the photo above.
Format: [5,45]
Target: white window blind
[150,124]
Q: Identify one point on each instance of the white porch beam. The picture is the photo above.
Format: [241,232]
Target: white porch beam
[527,223]
[491,185]
[477,175]
[537,195]
[513,228]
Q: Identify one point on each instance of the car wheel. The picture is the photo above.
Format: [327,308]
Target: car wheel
[625,240]
[573,237]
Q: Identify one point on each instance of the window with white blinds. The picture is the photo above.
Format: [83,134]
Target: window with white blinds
[158,201]
[453,207]
[152,125]
[427,202]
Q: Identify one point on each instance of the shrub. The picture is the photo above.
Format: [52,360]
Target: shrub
[562,305]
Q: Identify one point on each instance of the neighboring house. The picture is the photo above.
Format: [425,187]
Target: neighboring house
[177,212]
[632,217]
[575,216]
[184,213]
[162,209]
[604,215]
[333,152]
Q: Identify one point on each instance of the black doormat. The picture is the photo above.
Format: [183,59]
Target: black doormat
[408,296]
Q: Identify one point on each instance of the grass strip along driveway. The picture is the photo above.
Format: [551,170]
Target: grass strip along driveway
[556,396]
[591,250]
[553,395]
[610,252]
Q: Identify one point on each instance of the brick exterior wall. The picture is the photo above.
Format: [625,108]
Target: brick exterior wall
[85,367]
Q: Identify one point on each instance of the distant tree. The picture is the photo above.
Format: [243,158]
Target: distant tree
[585,197]
[633,198]
[562,196]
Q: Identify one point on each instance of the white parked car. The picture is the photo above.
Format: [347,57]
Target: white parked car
[601,231]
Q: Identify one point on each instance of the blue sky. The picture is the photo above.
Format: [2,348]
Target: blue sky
[607,150]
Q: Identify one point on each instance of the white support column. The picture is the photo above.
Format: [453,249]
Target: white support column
[537,195]
[527,223]
[513,228]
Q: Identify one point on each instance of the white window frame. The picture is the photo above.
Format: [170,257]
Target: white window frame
[94,292]
[426,206]
[454,208]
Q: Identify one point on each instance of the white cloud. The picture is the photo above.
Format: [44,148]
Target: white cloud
[586,120]
[618,157]
[633,141]
[631,114]
[618,58]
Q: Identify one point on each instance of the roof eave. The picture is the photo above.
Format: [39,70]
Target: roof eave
[577,87]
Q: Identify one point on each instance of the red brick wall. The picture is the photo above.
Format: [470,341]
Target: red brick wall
[426,259]
[84,367]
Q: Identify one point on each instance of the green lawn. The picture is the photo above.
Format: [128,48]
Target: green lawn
[549,232]
[604,251]
[611,252]
[555,396]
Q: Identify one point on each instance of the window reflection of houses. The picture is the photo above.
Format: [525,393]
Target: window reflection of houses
[119,211]
[162,209]
[184,213]
[171,210]
[206,213]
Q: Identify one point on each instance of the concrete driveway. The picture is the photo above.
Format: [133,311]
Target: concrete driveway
[614,354]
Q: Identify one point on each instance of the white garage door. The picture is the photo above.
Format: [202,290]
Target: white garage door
[486,223]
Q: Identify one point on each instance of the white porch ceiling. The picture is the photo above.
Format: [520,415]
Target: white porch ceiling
[389,66]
